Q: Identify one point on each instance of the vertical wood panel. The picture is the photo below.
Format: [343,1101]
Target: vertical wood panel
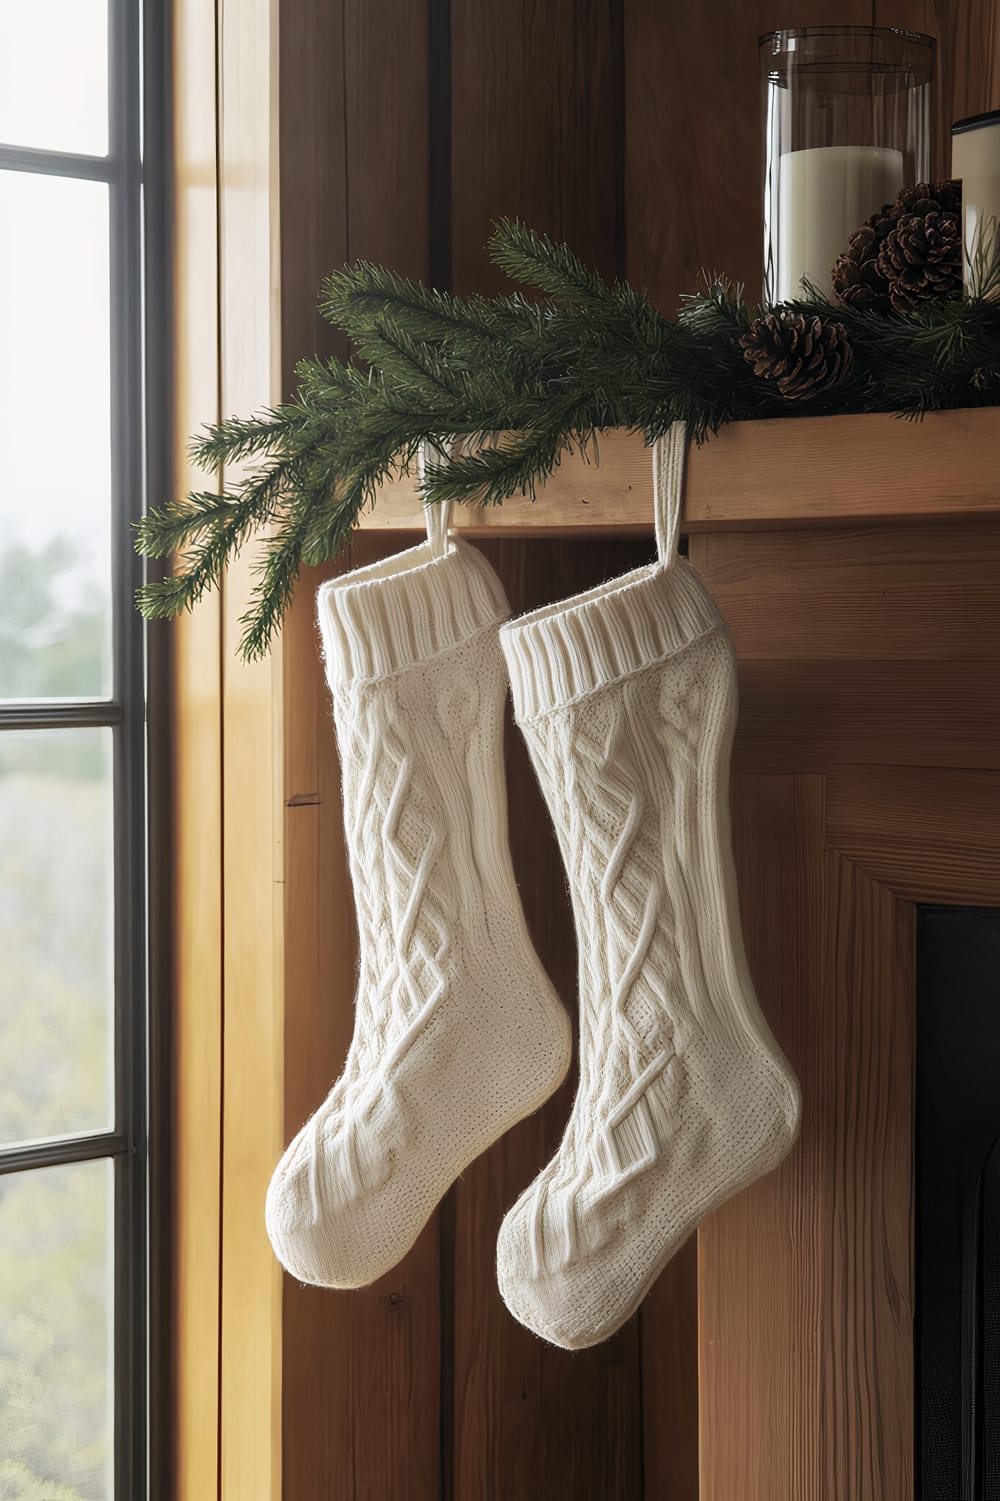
[313,185]
[968,57]
[387,122]
[361,1378]
[615,127]
[694,160]
[762,1256]
[318,1418]
[669,1325]
[531,1420]
[318,1412]
[866,1316]
[361,1370]
[197,793]
[805,1280]
[252,992]
[968,33]
[537,121]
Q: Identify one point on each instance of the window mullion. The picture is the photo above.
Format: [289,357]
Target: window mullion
[60,1150]
[60,164]
[123,714]
[51,714]
[131,1290]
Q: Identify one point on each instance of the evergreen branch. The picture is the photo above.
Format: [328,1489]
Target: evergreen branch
[536,261]
[357,296]
[547,375]
[235,439]
[165,530]
[421,368]
[494,473]
[216,539]
[277,576]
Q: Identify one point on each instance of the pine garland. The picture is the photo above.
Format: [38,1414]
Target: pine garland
[553,372]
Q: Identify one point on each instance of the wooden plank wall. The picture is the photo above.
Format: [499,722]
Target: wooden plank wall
[806,1293]
[362,1373]
[401,128]
[228,1084]
[632,131]
[197,796]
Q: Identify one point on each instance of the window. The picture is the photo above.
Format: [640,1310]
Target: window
[73,1064]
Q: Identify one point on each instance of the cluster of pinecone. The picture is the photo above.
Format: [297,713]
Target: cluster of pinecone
[908,253]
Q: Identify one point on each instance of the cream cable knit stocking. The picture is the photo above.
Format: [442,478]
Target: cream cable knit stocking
[458,1033]
[627,699]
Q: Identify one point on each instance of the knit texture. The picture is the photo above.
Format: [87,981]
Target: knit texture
[627,699]
[458,1033]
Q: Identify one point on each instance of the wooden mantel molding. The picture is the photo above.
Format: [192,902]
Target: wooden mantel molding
[788,472]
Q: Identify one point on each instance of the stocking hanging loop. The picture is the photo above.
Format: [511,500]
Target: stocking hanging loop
[669,452]
[438,514]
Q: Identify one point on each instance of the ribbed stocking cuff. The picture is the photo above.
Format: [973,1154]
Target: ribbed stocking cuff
[565,651]
[381,619]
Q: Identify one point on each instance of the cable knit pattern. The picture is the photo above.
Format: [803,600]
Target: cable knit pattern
[458,1033]
[627,699]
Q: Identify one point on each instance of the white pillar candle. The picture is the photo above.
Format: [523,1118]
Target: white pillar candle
[975,158]
[825,194]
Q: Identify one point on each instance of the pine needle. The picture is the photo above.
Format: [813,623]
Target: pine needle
[549,373]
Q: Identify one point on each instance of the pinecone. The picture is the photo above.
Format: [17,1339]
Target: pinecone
[802,355]
[879,272]
[922,258]
[857,277]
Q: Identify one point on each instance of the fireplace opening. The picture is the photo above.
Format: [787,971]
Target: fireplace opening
[957,1330]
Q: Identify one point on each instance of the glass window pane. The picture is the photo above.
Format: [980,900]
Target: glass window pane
[56,934]
[55,435]
[56,1340]
[54,75]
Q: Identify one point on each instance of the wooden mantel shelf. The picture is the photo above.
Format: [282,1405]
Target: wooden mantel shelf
[798,471]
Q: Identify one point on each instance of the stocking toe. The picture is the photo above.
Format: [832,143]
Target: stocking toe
[561,1300]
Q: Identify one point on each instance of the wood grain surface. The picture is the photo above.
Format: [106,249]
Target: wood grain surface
[668,1326]
[812,715]
[856,561]
[968,58]
[869,782]
[250,1341]
[865,1314]
[607,489]
[786,472]
[762,1258]
[931,835]
[861,594]
[537,128]
[362,1371]
[544,144]
[196,709]
[805,1286]
[250,1348]
[515,1395]
[694,157]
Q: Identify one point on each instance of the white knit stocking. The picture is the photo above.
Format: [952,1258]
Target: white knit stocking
[458,1033]
[627,699]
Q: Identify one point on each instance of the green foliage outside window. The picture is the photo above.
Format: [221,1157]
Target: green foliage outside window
[55,1001]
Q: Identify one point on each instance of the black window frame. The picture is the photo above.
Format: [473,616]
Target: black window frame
[136,172]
